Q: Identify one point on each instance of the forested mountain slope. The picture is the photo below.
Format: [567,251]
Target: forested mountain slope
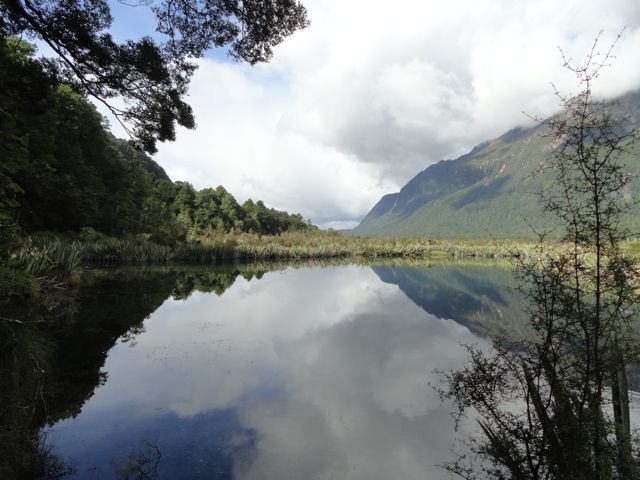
[491,191]
[61,170]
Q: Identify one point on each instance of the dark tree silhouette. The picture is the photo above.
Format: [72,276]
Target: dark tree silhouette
[555,404]
[150,77]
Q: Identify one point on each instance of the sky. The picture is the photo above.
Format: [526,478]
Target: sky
[373,92]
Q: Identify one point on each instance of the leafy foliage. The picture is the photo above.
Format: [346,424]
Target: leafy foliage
[150,76]
[62,171]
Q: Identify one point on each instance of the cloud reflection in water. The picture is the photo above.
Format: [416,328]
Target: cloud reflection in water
[325,373]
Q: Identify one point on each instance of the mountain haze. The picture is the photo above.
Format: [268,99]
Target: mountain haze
[492,191]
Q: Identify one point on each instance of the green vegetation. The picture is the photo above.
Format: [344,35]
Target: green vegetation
[62,257]
[102,202]
[215,211]
[53,257]
[62,171]
[150,75]
[492,192]
[105,203]
[72,195]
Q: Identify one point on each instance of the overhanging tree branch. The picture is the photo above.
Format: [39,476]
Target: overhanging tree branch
[151,78]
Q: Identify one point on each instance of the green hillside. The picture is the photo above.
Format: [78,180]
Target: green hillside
[62,171]
[493,191]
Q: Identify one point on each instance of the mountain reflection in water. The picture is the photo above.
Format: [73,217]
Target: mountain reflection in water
[293,373]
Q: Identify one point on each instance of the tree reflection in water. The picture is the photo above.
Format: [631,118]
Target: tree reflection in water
[51,364]
[51,359]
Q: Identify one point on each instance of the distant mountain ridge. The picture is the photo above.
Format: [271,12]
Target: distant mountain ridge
[492,191]
[480,298]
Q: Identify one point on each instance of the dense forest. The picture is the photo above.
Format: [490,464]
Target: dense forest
[61,170]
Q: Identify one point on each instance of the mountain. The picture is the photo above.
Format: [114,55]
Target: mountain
[492,191]
[482,299]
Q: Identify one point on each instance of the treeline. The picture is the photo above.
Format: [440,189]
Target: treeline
[62,171]
[214,210]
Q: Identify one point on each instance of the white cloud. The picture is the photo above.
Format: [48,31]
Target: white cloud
[369,95]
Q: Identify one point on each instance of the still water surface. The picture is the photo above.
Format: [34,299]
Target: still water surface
[300,373]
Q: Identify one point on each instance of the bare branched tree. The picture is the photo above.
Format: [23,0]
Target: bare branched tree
[555,405]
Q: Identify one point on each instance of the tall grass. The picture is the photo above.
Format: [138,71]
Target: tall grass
[214,250]
[40,256]
[124,251]
[46,255]
[631,247]
[319,245]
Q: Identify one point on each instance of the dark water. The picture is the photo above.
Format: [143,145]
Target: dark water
[243,373]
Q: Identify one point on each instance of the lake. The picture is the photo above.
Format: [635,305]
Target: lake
[256,372]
